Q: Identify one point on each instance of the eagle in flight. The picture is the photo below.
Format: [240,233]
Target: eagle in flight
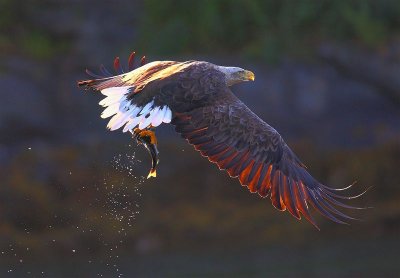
[196,97]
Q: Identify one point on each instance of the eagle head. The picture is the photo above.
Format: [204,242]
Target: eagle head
[234,75]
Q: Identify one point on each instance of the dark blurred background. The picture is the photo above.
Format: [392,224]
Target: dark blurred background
[74,200]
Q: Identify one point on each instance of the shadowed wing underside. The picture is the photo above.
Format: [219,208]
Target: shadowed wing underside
[238,141]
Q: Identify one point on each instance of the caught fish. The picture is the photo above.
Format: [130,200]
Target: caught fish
[148,139]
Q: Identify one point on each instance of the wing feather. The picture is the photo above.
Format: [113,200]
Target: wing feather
[234,138]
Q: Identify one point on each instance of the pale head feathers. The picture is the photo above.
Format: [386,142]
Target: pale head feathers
[235,75]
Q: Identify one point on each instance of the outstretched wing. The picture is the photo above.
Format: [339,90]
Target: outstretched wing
[132,98]
[238,141]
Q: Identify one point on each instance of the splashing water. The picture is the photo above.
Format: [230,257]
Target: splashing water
[122,202]
[123,196]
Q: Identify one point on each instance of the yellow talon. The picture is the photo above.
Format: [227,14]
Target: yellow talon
[146,132]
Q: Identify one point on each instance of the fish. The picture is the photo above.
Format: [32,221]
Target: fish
[148,139]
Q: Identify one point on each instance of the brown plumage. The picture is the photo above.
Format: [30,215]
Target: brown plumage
[210,117]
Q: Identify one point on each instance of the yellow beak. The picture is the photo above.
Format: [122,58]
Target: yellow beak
[249,75]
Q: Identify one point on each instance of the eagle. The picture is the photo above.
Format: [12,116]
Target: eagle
[196,98]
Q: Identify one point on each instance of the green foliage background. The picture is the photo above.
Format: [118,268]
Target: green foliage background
[264,29]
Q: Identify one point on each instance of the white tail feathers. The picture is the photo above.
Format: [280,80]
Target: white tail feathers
[115,91]
[168,116]
[126,113]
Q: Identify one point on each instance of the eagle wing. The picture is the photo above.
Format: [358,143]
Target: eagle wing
[134,98]
[229,134]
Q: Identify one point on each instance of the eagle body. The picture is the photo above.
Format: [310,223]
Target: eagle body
[195,97]
[182,86]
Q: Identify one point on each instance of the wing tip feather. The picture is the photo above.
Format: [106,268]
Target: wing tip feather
[290,187]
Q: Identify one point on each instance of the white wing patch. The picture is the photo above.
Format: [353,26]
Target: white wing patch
[125,113]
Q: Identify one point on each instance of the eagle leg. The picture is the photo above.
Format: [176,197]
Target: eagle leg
[148,139]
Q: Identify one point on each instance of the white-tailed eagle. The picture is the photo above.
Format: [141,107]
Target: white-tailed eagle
[196,98]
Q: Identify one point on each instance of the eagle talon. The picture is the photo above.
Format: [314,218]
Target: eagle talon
[145,135]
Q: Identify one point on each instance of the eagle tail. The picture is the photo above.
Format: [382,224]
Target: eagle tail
[101,83]
[106,79]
